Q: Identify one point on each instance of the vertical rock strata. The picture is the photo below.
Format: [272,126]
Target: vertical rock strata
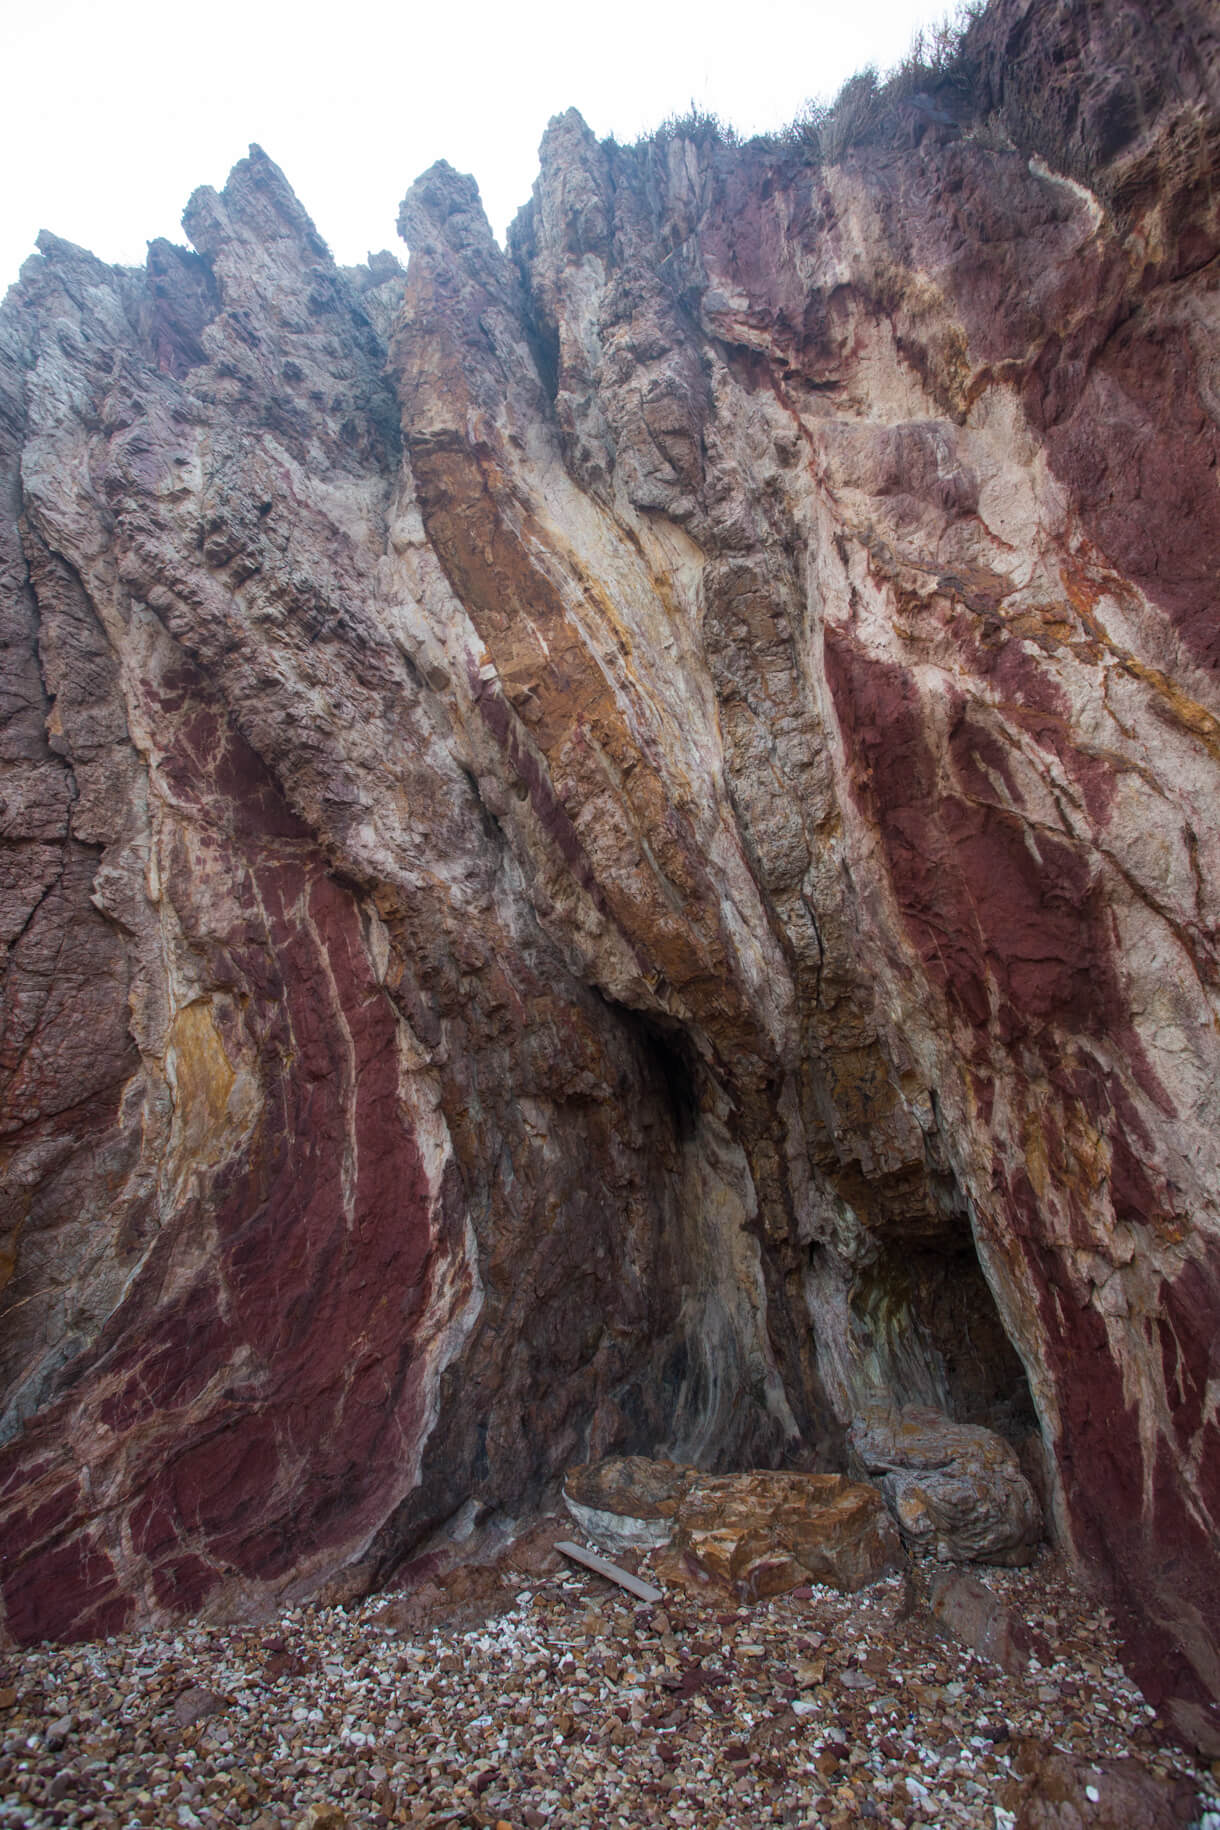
[615,845]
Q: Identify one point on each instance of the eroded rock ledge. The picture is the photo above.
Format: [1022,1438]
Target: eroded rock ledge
[614,846]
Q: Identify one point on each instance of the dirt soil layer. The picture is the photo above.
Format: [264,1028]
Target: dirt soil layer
[574,1705]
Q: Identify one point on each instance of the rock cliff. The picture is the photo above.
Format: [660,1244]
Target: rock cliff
[614,845]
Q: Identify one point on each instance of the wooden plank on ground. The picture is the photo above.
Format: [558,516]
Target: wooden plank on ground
[601,1566]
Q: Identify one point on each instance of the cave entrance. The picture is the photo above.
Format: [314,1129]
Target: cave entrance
[926,1330]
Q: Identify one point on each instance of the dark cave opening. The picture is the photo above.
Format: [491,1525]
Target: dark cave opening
[922,1324]
[671,1062]
[928,1330]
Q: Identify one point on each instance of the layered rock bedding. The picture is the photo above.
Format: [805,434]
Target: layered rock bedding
[612,848]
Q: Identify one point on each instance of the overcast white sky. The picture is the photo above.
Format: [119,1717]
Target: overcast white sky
[114,112]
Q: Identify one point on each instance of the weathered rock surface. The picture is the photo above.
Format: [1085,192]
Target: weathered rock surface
[955,1489]
[756,1534]
[615,846]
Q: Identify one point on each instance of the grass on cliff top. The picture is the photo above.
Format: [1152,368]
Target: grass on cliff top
[696,125]
[938,79]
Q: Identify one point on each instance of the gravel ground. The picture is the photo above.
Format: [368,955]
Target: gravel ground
[576,1706]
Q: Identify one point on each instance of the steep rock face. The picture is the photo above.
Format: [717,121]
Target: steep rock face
[302,1101]
[614,846]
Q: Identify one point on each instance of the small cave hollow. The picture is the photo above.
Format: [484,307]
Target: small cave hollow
[671,1063]
[927,1331]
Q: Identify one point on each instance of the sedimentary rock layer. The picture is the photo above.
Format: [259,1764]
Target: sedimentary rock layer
[614,845]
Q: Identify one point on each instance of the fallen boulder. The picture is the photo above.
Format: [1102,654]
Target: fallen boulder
[973,1614]
[954,1488]
[1052,1790]
[627,1502]
[196,1705]
[756,1533]
[465,1596]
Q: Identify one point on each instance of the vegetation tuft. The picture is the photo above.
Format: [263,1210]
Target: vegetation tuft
[938,79]
[938,83]
[696,124]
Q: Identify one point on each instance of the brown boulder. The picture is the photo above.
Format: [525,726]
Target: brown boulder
[764,1533]
[758,1533]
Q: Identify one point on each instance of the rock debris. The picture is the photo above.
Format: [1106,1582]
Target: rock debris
[577,1706]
